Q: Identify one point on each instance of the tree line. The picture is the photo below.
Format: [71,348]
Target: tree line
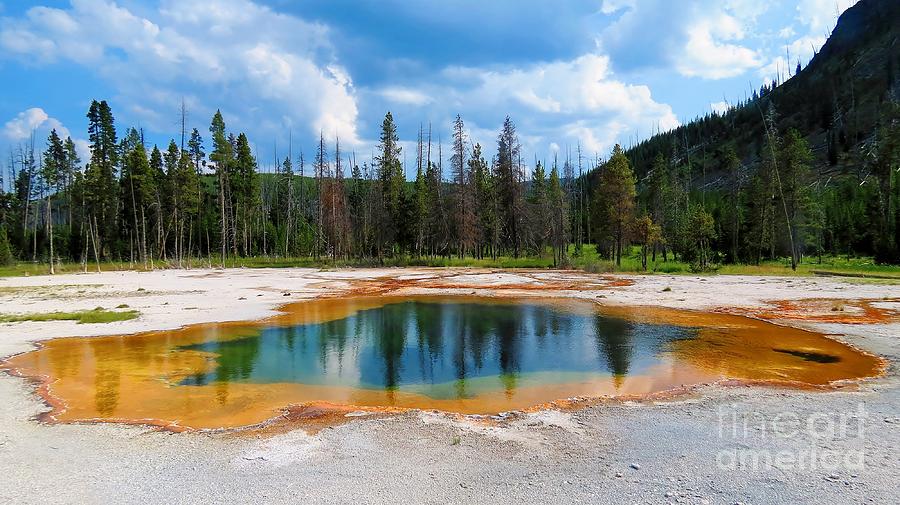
[182,205]
[778,198]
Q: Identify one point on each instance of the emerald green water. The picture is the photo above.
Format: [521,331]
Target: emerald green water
[431,347]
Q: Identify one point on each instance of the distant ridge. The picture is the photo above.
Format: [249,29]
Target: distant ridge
[835,102]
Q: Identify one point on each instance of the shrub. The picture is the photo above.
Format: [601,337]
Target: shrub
[6,256]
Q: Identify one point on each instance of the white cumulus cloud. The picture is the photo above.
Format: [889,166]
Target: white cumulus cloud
[710,52]
[405,96]
[719,107]
[232,54]
[20,127]
[821,15]
[35,121]
[571,101]
[611,6]
[697,39]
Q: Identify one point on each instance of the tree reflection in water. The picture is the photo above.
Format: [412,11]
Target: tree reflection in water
[421,343]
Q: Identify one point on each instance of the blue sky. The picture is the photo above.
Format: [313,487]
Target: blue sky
[588,72]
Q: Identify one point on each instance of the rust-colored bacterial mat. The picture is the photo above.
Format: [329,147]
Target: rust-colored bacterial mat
[457,354]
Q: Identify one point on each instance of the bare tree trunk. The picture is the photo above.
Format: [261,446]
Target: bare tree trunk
[131,249]
[618,248]
[787,216]
[34,233]
[84,254]
[290,208]
[160,241]
[222,209]
[190,247]
[50,229]
[95,240]
[144,238]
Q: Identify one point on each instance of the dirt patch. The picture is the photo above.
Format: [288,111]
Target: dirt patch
[315,417]
[825,310]
[501,282]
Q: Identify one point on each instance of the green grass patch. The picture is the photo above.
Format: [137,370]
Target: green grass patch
[98,315]
[28,268]
[586,259]
[831,265]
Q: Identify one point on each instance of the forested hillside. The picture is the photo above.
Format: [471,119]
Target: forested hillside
[832,129]
[802,168]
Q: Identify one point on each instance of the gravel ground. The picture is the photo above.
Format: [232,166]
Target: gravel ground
[719,445]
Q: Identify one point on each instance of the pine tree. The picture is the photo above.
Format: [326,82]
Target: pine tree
[795,182]
[72,165]
[485,204]
[391,182]
[420,198]
[222,156]
[509,187]
[138,190]
[173,203]
[773,141]
[197,154]
[52,171]
[245,191]
[438,227]
[731,165]
[195,149]
[285,212]
[185,193]
[464,222]
[420,210]
[760,210]
[25,190]
[557,202]
[183,198]
[6,255]
[614,199]
[539,223]
[336,221]
[886,206]
[647,234]
[100,178]
[358,209]
[659,194]
[160,191]
[702,232]
[320,169]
